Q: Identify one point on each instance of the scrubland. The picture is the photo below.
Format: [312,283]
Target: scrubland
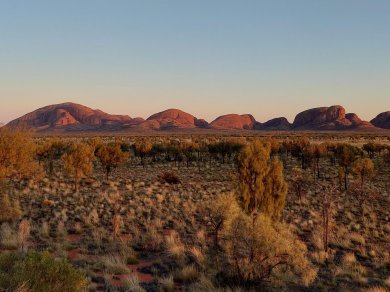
[194,213]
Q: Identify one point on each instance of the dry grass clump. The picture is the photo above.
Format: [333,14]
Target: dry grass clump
[167,283]
[197,255]
[23,233]
[8,237]
[377,289]
[351,268]
[174,247]
[187,274]
[204,284]
[357,238]
[132,283]
[115,264]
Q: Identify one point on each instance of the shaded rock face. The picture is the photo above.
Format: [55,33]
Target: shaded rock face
[68,114]
[277,124]
[233,122]
[335,113]
[382,120]
[328,118]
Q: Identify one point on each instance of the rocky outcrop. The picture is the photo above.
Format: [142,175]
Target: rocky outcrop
[329,118]
[68,115]
[382,120]
[75,117]
[173,119]
[277,124]
[233,122]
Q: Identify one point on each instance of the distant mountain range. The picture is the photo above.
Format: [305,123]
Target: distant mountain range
[75,117]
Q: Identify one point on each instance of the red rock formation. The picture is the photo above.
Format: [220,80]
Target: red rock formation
[75,117]
[172,119]
[328,118]
[233,122]
[382,120]
[68,114]
[277,124]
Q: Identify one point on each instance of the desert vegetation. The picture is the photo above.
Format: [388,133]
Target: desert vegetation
[194,213]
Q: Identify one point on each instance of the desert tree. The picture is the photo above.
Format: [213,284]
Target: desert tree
[95,143]
[50,151]
[261,183]
[142,148]
[373,149]
[188,149]
[17,153]
[319,151]
[364,169]
[299,149]
[346,155]
[78,162]
[111,156]
[299,181]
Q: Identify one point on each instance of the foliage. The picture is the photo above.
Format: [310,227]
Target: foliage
[256,252]
[346,155]
[78,162]
[111,156]
[220,211]
[262,187]
[39,272]
[17,151]
[9,209]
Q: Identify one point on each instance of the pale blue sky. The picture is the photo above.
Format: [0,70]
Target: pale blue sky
[207,57]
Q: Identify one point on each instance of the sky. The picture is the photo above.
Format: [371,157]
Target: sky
[207,57]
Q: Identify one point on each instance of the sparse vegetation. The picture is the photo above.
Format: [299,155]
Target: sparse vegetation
[198,213]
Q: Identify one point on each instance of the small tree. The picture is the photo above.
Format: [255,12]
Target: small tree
[111,156]
[364,169]
[346,155]
[319,151]
[262,187]
[143,148]
[78,162]
[17,151]
[220,212]
[299,181]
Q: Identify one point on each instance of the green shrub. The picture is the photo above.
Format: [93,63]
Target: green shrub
[39,272]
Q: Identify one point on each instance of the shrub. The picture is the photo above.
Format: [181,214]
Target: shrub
[170,178]
[39,272]
[258,251]
[220,211]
